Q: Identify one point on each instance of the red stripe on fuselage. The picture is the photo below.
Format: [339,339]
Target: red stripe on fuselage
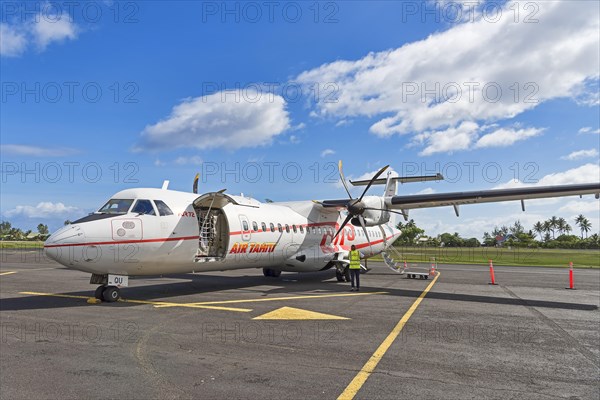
[123,242]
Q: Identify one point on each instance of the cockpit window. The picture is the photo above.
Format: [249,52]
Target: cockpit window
[143,207]
[163,209]
[116,206]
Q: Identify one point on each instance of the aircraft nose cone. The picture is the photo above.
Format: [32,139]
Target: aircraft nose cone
[56,246]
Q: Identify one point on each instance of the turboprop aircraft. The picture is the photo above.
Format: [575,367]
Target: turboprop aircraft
[161,231]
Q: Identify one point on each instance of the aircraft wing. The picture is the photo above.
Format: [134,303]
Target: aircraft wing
[489,196]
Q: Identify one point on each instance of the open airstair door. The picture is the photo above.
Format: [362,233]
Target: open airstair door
[213,227]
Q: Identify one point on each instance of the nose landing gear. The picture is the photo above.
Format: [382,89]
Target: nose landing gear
[108,290]
[107,293]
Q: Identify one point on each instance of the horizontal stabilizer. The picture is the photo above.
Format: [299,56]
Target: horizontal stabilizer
[401,179]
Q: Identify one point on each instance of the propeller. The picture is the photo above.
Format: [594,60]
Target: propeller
[356,207]
[195,185]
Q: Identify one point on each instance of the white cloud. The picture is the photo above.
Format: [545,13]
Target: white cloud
[578,155]
[294,139]
[42,30]
[53,29]
[42,210]
[327,152]
[230,120]
[554,58]
[449,140]
[36,151]
[426,191]
[193,160]
[159,163]
[12,40]
[587,173]
[577,207]
[343,122]
[506,137]
[588,129]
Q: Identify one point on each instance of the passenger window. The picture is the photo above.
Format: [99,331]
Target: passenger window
[279,228]
[254,226]
[143,207]
[245,225]
[314,230]
[163,209]
[319,230]
[272,227]
[287,228]
[301,229]
[294,228]
[263,226]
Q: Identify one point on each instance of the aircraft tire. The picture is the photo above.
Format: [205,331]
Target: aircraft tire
[271,273]
[111,294]
[98,292]
[339,276]
[347,274]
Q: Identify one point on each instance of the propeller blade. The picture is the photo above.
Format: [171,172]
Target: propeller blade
[348,218]
[364,226]
[195,186]
[371,181]
[343,178]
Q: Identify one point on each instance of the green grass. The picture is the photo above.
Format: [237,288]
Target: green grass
[501,256]
[456,255]
[21,244]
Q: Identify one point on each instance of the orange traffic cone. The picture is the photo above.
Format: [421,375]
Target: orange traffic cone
[571,280]
[492,276]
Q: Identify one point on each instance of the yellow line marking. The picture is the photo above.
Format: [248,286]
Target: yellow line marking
[317,296]
[158,304]
[362,376]
[155,303]
[291,313]
[8,273]
[67,296]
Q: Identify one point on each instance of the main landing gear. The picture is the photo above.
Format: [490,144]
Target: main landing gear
[271,273]
[109,294]
[343,276]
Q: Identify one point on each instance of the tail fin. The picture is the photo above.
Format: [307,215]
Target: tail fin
[391,188]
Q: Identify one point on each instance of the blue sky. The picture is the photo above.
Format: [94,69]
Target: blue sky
[141,92]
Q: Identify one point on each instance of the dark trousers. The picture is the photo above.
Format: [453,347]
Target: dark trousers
[355,273]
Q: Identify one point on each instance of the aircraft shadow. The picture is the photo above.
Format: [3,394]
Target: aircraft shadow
[286,285]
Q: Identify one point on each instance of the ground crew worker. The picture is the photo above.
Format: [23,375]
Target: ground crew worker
[354,267]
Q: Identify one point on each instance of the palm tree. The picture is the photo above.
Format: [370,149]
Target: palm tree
[586,225]
[578,221]
[553,225]
[567,228]
[539,228]
[547,228]
[561,225]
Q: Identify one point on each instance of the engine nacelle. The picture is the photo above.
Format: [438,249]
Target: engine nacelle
[373,217]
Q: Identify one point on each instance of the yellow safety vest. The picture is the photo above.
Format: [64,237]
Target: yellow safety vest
[354,259]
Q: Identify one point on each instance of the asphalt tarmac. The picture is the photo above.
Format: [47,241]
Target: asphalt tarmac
[240,335]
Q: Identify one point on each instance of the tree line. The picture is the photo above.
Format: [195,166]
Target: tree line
[9,232]
[554,232]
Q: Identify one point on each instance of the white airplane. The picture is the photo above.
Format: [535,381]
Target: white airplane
[159,231]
